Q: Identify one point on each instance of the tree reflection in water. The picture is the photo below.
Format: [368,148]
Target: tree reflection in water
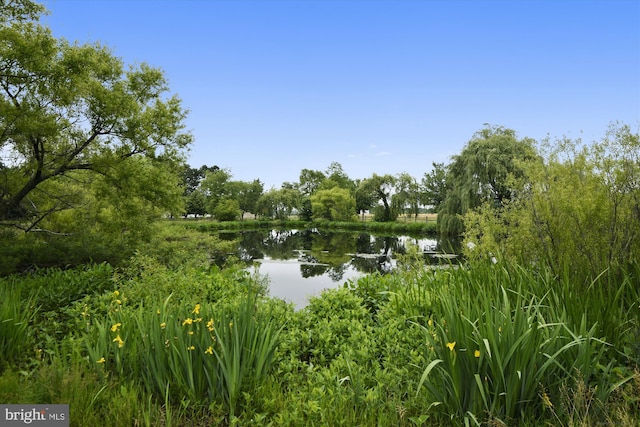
[327,257]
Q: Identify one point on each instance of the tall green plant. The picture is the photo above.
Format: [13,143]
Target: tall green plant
[493,347]
[16,317]
[194,353]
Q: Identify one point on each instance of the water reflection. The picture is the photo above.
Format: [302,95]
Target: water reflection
[300,263]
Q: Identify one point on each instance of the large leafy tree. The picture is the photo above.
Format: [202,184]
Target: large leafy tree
[407,197]
[379,188]
[335,204]
[337,177]
[434,186]
[72,118]
[279,204]
[216,186]
[247,194]
[310,181]
[483,172]
[192,177]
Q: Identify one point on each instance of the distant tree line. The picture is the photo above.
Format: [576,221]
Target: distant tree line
[318,195]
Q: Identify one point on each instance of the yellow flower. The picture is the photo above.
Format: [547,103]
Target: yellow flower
[116,293]
[158,311]
[476,353]
[115,327]
[230,325]
[187,321]
[209,350]
[119,341]
[196,309]
[197,319]
[430,322]
[118,302]
[163,325]
[101,360]
[190,332]
[210,325]
[193,347]
[451,345]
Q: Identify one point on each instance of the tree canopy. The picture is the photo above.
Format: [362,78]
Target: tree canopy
[579,209]
[481,173]
[74,118]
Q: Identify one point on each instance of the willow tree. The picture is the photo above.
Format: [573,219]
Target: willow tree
[483,173]
[580,211]
[75,120]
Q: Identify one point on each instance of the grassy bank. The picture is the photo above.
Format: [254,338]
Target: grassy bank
[482,344]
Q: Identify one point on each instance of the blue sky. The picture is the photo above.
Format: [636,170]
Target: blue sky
[379,86]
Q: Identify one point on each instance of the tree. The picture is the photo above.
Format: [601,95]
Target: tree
[196,203]
[407,195]
[337,177]
[380,188]
[247,194]
[215,186]
[579,210]
[310,181]
[279,204]
[67,108]
[335,204]
[192,177]
[73,113]
[481,173]
[434,186]
[227,210]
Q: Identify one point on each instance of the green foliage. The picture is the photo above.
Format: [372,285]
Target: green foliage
[20,11]
[547,223]
[486,342]
[192,352]
[176,247]
[336,204]
[94,146]
[227,210]
[278,204]
[493,348]
[407,197]
[196,203]
[379,189]
[16,315]
[483,172]
[434,186]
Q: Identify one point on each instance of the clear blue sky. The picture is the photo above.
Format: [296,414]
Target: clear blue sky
[378,86]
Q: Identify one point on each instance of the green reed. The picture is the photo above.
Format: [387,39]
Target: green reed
[495,352]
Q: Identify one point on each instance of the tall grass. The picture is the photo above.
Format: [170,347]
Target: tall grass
[16,315]
[193,354]
[500,350]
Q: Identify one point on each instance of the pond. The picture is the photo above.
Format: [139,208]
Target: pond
[301,263]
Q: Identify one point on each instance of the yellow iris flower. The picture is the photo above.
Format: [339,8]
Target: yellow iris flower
[119,341]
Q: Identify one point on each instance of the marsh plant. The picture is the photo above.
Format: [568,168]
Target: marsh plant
[498,349]
[193,352]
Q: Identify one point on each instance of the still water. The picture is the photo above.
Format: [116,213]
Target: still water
[301,263]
